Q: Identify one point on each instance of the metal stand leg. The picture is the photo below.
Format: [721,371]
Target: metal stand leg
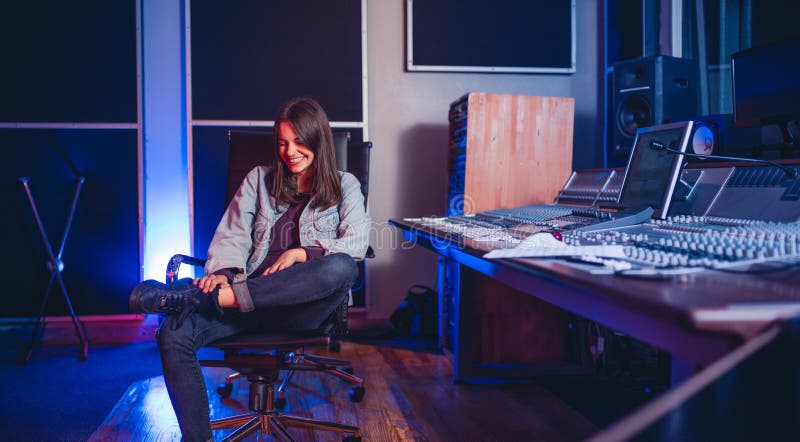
[55,266]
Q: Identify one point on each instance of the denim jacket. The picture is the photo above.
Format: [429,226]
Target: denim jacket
[243,235]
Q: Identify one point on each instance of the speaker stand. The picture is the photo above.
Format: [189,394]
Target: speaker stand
[55,266]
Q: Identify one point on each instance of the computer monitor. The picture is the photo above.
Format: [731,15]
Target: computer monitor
[766,89]
[651,174]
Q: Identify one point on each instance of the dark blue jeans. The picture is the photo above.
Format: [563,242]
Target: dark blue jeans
[298,298]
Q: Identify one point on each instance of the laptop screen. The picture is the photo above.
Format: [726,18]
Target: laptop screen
[651,174]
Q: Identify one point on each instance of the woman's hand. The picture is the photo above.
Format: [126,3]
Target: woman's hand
[286,260]
[209,282]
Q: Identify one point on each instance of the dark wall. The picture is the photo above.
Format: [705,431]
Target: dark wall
[70,62]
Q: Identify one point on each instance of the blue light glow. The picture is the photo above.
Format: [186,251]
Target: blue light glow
[166,180]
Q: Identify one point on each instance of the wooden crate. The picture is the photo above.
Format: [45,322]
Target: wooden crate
[519,150]
[515,150]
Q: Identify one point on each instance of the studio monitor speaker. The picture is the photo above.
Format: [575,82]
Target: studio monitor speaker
[650,91]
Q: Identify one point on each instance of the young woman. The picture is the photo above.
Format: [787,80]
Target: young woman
[281,258]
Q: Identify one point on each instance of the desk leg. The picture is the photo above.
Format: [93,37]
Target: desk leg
[441,289]
[461,330]
[453,307]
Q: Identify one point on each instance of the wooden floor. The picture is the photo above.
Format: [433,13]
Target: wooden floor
[409,397]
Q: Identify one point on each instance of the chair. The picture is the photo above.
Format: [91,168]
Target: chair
[261,356]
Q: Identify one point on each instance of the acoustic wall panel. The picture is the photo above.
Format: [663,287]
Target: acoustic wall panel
[532,36]
[101,253]
[249,57]
[68,62]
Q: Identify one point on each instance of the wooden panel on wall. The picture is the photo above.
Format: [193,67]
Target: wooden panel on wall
[519,149]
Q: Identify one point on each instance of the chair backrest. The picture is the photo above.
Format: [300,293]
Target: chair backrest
[246,150]
[340,141]
[250,148]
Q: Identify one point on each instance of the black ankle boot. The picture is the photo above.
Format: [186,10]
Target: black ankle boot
[182,298]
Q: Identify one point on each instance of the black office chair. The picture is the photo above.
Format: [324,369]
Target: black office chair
[354,158]
[261,356]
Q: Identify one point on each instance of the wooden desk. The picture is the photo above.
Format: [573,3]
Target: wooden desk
[696,317]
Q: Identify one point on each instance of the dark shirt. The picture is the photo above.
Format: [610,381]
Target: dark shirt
[285,235]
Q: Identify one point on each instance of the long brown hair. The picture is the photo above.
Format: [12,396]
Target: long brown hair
[312,127]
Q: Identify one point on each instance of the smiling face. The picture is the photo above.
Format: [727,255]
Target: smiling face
[294,153]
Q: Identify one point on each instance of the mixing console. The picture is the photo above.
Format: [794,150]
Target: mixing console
[591,187]
[700,241]
[585,186]
[720,218]
[560,217]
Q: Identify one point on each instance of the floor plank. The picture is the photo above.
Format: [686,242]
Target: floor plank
[409,397]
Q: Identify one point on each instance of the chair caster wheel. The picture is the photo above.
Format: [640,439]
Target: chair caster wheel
[351,438]
[348,369]
[225,390]
[279,403]
[357,394]
[335,346]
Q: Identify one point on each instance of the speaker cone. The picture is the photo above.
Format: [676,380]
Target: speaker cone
[703,140]
[634,112]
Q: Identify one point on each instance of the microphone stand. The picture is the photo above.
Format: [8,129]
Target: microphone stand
[54,263]
[657,145]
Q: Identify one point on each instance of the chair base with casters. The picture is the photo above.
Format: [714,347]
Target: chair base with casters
[297,356]
[336,367]
[309,362]
[245,355]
